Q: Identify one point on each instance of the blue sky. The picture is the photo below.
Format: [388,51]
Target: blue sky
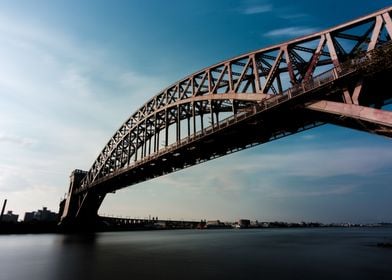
[72,71]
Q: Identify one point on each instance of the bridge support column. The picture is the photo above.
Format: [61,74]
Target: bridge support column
[79,210]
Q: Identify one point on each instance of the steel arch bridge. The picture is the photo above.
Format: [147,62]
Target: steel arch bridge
[340,76]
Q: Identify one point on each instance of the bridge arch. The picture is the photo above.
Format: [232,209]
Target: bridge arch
[257,87]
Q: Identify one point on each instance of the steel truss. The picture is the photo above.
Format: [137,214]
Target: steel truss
[254,98]
[232,87]
[334,76]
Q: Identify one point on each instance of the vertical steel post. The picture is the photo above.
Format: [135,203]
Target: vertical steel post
[201,116]
[157,143]
[3,209]
[194,117]
[166,129]
[155,133]
[212,114]
[137,142]
[256,74]
[178,133]
[189,121]
[145,137]
[149,145]
[129,148]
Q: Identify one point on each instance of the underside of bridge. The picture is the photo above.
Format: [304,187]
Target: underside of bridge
[339,76]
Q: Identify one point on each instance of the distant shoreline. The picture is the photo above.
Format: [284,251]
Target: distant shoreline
[53,228]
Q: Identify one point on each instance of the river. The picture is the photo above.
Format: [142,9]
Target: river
[320,253]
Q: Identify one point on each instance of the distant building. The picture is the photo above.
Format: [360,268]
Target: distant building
[216,224]
[43,215]
[29,217]
[243,223]
[10,217]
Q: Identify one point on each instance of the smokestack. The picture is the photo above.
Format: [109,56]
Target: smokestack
[2,211]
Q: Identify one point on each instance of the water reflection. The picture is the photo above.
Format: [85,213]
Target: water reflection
[87,238]
[243,254]
[75,257]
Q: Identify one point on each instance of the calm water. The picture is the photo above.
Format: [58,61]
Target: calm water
[196,254]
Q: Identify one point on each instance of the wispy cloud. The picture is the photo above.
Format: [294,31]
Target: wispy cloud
[262,177]
[257,9]
[12,181]
[302,169]
[309,137]
[277,189]
[57,95]
[335,162]
[293,31]
[77,81]
[21,141]
[139,83]
[294,16]
[335,190]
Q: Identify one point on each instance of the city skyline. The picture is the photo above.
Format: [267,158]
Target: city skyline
[73,72]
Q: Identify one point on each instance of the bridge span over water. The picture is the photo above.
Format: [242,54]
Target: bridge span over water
[341,76]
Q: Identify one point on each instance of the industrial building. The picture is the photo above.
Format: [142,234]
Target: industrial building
[9,217]
[43,215]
